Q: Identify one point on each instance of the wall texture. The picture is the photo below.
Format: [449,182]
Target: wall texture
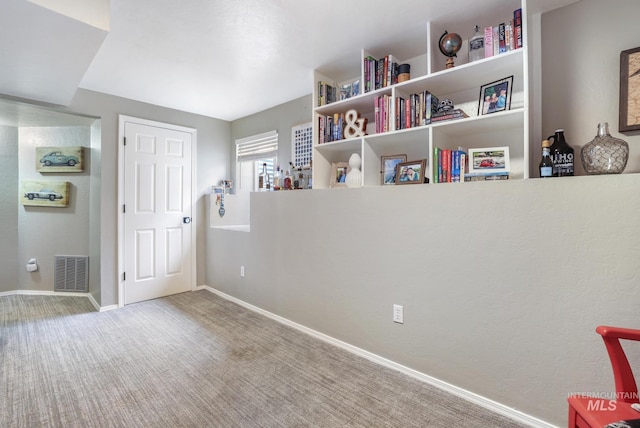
[502,284]
[44,231]
[8,208]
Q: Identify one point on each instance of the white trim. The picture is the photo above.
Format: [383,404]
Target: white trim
[487,403]
[122,119]
[59,294]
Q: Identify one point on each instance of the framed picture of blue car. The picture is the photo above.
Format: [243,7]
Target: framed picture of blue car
[59,159]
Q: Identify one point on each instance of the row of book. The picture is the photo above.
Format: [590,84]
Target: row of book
[416,110]
[452,166]
[331,128]
[379,73]
[503,37]
[331,92]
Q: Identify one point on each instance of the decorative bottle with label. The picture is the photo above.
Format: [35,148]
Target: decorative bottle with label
[546,164]
[561,155]
[476,45]
[264,185]
[277,179]
[287,181]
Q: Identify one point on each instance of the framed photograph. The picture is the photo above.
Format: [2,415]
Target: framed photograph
[411,172]
[339,172]
[388,166]
[629,112]
[495,96]
[59,159]
[489,160]
[45,193]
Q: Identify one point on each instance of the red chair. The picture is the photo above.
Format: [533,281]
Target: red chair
[597,412]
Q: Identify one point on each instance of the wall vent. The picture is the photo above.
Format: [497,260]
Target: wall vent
[71,273]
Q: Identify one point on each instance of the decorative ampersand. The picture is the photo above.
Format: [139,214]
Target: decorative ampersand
[355,126]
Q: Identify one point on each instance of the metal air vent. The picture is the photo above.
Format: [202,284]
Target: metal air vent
[71,273]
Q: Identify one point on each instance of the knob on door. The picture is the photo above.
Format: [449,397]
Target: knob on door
[186,220]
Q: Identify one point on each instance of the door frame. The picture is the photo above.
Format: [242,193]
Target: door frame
[122,119]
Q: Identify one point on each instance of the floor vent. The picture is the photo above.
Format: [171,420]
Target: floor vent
[72,273]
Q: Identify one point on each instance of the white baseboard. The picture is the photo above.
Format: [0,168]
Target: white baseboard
[487,403]
[60,293]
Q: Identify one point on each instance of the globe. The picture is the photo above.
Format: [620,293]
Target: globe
[450,44]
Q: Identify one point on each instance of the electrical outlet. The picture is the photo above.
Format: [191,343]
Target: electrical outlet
[398,315]
[242,271]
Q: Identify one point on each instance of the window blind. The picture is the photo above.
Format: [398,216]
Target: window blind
[257,146]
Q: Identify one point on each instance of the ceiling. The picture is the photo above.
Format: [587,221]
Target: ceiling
[222,59]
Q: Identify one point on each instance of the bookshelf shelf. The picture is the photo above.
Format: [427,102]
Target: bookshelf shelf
[462,84]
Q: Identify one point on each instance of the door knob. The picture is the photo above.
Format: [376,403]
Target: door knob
[186,220]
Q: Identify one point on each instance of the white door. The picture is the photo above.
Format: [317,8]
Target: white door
[157,251]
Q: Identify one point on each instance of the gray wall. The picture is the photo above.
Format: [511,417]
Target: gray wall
[502,284]
[213,154]
[44,231]
[8,208]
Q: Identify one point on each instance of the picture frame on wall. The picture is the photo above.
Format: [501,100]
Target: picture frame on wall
[411,172]
[388,168]
[44,193]
[60,159]
[489,160]
[495,96]
[339,171]
[629,111]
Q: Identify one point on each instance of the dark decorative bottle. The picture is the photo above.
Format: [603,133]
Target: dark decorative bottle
[561,155]
[605,154]
[546,164]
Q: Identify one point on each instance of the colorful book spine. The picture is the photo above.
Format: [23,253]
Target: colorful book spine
[488,42]
[517,26]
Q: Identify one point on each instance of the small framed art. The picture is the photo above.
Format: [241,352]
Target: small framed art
[388,168]
[339,172]
[491,159]
[59,159]
[629,111]
[45,193]
[411,172]
[495,96]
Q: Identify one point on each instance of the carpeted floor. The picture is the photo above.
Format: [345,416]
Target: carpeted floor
[197,360]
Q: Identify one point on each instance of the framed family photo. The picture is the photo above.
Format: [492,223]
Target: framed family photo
[495,96]
[629,111]
[487,160]
[339,172]
[411,172]
[388,167]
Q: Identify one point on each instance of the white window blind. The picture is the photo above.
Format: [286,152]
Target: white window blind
[251,153]
[257,146]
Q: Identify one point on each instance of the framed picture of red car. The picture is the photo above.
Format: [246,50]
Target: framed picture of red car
[490,159]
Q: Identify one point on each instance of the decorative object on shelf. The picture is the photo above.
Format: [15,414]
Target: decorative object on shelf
[45,193]
[604,154]
[629,115]
[388,168]
[450,44]
[546,164]
[302,144]
[354,176]
[495,96]
[445,105]
[404,72]
[339,171]
[488,160]
[59,159]
[561,155]
[476,45]
[355,126]
[411,172]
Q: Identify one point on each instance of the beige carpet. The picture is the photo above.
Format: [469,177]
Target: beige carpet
[197,360]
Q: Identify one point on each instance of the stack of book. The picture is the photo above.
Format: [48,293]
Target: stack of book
[503,37]
[450,165]
[327,93]
[379,73]
[448,115]
[417,110]
[330,128]
[382,112]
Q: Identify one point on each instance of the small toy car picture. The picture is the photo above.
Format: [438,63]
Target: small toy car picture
[59,159]
[43,194]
